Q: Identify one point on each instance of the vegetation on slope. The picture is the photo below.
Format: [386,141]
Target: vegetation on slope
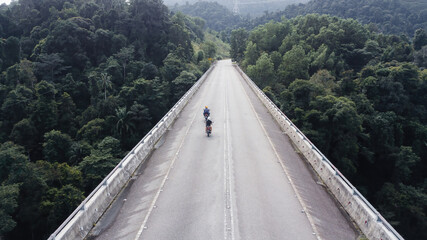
[82,82]
[217,17]
[387,16]
[360,99]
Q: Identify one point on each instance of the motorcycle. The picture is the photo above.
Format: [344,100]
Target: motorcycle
[209,130]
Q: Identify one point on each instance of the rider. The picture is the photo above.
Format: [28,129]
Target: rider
[206,111]
[208,123]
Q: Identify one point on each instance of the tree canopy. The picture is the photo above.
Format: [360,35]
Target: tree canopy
[81,82]
[359,96]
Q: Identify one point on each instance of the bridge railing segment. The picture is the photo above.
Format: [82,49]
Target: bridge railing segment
[368,219]
[85,216]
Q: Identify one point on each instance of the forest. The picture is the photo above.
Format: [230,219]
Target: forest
[247,8]
[382,16]
[217,16]
[359,96]
[81,83]
[386,16]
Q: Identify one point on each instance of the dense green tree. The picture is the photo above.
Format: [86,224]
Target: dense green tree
[59,174]
[140,116]
[93,130]
[56,146]
[23,133]
[294,65]
[26,73]
[124,126]
[60,203]
[238,40]
[45,114]
[16,106]
[251,54]
[405,161]
[420,39]
[209,49]
[8,203]
[325,79]
[180,35]
[99,163]
[67,114]
[11,160]
[11,51]
[78,151]
[263,71]
[405,207]
[182,83]
[50,65]
[172,67]
[151,39]
[124,56]
[303,92]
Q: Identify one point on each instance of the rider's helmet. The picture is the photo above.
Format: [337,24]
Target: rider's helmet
[206,107]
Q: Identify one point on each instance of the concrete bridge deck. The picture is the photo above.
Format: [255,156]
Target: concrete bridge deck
[246,181]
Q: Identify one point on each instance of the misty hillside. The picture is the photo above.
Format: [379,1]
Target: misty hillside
[388,16]
[245,7]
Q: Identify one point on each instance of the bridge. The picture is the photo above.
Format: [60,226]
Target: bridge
[256,177]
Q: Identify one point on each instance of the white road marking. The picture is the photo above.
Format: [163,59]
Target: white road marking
[153,203]
[310,219]
[228,204]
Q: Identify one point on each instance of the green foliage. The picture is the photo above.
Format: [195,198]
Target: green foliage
[405,207]
[23,133]
[11,161]
[56,146]
[359,98]
[11,51]
[420,39]
[251,54]
[209,49]
[60,203]
[217,16]
[294,65]
[8,203]
[99,163]
[263,71]
[238,40]
[93,130]
[393,17]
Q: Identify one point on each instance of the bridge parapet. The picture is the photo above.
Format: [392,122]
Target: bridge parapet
[368,219]
[85,216]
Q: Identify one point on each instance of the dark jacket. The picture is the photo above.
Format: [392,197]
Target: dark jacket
[208,123]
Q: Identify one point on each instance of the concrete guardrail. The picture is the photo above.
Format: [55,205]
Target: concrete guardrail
[369,220]
[81,221]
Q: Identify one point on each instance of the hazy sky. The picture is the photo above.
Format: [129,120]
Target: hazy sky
[4,1]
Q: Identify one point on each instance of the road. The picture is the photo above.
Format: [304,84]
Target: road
[246,181]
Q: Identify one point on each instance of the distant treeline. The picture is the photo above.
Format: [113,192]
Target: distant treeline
[250,8]
[386,16]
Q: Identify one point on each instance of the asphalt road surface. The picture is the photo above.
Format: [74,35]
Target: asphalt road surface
[245,181]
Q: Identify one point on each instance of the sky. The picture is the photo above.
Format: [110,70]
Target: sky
[4,1]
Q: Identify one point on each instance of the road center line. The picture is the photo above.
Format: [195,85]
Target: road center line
[153,203]
[228,199]
[310,219]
